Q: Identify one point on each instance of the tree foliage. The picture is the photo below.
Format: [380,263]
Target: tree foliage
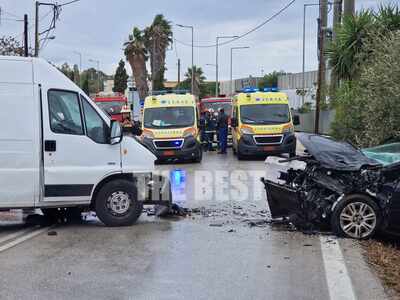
[158,37]
[368,109]
[120,78]
[136,54]
[10,46]
[270,80]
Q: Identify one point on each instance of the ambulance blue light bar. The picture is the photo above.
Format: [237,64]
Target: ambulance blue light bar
[271,89]
[250,90]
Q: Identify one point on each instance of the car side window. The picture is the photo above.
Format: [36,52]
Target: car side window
[96,128]
[64,112]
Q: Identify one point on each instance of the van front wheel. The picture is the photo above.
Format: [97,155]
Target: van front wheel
[117,203]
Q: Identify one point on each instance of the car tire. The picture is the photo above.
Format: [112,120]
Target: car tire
[117,204]
[356,216]
[292,153]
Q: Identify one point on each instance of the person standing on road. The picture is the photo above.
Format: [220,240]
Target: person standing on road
[210,128]
[203,134]
[223,131]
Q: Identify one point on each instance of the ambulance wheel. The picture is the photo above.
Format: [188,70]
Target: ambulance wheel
[234,150]
[240,156]
[198,158]
[117,203]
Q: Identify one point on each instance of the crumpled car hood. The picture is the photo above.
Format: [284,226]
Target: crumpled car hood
[334,155]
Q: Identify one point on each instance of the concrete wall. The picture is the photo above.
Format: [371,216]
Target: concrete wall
[307,121]
[238,84]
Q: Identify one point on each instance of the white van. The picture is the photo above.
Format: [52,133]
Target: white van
[59,150]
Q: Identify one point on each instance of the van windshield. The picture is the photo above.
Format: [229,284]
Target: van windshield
[168,117]
[264,114]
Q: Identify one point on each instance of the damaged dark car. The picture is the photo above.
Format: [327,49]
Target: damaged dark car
[354,192]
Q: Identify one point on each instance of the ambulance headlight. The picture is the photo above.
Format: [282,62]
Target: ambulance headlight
[147,134]
[246,130]
[189,132]
[288,129]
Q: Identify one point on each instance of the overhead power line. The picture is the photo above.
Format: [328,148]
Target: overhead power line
[67,3]
[244,34]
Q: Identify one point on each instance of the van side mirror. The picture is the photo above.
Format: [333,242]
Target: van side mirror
[116,133]
[137,128]
[234,122]
[296,120]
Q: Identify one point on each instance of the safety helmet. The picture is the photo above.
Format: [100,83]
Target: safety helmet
[125,110]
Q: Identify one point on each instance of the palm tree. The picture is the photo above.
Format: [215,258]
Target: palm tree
[388,16]
[346,54]
[158,37]
[198,79]
[136,54]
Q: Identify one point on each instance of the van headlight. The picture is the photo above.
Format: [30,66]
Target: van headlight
[246,130]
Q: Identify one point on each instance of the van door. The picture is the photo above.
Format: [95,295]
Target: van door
[19,138]
[77,152]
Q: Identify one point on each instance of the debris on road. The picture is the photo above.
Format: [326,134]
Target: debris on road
[52,233]
[219,224]
[335,185]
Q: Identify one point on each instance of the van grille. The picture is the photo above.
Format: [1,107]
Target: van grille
[168,144]
[268,139]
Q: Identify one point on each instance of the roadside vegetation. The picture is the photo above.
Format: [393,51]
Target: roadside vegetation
[365,58]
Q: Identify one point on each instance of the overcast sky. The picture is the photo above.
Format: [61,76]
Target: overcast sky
[98,29]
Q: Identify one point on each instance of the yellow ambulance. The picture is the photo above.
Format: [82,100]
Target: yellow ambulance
[262,124]
[170,125]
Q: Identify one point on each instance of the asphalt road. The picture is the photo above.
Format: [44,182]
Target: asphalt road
[213,254]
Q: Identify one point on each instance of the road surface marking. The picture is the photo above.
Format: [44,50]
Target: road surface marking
[14,235]
[337,277]
[23,238]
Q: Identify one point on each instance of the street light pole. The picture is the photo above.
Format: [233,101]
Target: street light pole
[216,60]
[80,60]
[98,72]
[304,50]
[231,78]
[192,29]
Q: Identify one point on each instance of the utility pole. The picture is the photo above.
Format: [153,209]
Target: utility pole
[337,20]
[303,85]
[36,28]
[322,24]
[349,7]
[26,46]
[179,71]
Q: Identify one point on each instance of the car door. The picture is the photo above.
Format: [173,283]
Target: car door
[77,152]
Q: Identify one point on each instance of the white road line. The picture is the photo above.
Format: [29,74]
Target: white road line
[337,277]
[23,239]
[14,235]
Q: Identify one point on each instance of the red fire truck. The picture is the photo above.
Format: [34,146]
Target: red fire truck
[112,104]
[215,103]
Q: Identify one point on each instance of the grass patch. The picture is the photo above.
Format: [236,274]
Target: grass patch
[385,259]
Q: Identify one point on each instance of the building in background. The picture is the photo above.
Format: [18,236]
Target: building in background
[238,84]
[292,85]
